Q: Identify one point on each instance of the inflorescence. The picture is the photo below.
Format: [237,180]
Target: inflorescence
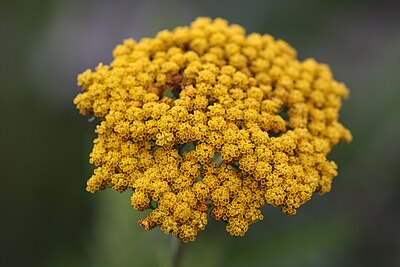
[207,121]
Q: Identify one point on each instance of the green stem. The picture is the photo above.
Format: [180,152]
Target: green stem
[178,253]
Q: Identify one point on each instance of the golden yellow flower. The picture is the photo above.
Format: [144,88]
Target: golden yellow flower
[208,120]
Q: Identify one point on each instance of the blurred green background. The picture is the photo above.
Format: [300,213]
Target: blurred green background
[48,219]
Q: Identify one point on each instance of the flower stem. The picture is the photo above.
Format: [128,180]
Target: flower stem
[178,253]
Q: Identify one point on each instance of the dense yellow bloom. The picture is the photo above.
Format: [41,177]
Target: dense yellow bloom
[208,119]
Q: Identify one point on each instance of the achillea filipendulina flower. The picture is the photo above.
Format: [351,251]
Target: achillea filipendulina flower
[208,120]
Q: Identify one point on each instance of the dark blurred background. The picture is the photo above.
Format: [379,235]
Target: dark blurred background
[47,217]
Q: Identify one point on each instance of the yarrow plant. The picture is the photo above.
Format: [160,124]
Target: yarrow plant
[206,121]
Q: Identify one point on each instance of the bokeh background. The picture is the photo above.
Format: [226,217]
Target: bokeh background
[47,217]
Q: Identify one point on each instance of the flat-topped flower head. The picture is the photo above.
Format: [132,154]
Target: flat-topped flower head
[206,121]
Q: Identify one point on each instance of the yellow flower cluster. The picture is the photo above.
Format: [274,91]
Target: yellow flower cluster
[206,120]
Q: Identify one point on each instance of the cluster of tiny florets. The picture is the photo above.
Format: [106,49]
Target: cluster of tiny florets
[208,121]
